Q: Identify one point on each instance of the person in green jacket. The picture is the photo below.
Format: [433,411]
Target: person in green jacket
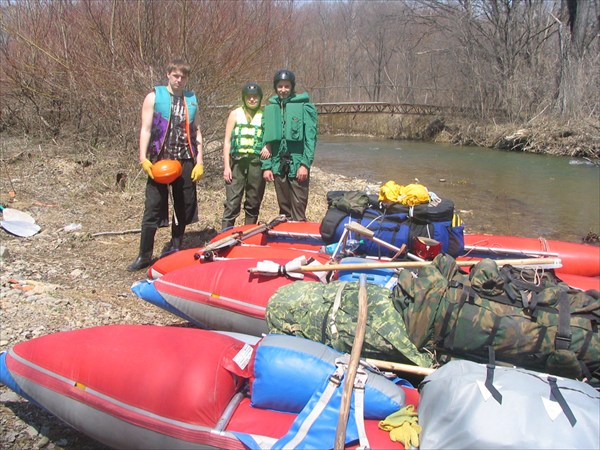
[290,135]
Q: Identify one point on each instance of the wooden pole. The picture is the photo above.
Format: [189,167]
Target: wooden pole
[399,367]
[359,337]
[554,262]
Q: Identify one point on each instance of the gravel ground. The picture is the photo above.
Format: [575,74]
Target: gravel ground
[69,276]
[66,277]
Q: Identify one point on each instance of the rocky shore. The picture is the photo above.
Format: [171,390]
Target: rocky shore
[72,274]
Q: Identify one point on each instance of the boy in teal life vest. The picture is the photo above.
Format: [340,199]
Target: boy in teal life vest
[242,153]
[169,130]
[290,135]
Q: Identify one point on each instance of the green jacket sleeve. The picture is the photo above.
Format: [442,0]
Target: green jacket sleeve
[265,164]
[310,134]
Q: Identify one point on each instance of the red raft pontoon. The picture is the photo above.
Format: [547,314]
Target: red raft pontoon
[150,387]
[221,295]
[283,240]
[193,257]
[577,259]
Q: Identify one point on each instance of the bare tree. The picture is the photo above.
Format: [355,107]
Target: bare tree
[577,78]
[81,67]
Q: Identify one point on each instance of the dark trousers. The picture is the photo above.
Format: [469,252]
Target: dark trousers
[185,200]
[292,197]
[246,178]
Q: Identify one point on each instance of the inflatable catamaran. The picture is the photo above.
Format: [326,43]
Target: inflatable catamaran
[151,387]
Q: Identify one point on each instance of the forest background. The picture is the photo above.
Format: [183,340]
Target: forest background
[77,70]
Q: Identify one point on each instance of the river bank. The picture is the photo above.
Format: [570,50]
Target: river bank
[579,138]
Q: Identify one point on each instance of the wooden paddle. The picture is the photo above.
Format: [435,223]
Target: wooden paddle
[399,367]
[359,338]
[549,263]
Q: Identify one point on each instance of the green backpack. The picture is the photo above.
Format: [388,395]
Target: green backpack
[328,313]
[542,325]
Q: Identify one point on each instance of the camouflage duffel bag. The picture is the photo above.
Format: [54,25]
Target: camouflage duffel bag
[328,313]
[542,325]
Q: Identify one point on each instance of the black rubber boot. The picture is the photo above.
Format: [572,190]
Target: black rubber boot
[225,224]
[144,259]
[174,245]
[250,220]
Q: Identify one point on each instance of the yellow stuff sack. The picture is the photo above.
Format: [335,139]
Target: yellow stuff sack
[409,195]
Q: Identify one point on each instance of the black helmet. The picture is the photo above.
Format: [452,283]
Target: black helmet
[252,88]
[284,74]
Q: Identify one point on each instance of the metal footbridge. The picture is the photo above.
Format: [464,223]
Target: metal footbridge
[387,108]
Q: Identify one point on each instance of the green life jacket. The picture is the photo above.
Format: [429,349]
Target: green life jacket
[246,138]
[162,116]
[276,128]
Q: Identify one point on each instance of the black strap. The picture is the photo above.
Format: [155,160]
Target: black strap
[489,377]
[562,341]
[556,396]
[525,299]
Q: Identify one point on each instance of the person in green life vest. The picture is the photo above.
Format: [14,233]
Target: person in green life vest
[290,135]
[242,153]
[169,130]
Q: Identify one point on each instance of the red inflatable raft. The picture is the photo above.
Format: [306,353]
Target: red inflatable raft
[580,262]
[149,387]
[577,259]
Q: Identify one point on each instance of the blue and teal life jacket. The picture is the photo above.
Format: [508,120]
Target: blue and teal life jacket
[162,116]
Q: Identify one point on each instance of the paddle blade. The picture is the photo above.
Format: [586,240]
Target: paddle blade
[14,215]
[20,228]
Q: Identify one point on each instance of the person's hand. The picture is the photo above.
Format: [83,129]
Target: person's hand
[227,176]
[197,172]
[265,153]
[147,166]
[268,175]
[302,174]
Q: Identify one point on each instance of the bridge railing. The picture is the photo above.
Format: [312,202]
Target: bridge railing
[390,108]
[382,107]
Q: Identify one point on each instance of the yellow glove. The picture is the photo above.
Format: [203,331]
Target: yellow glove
[197,172]
[407,434]
[403,426]
[147,166]
[397,418]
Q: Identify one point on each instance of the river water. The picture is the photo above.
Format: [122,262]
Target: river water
[495,191]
